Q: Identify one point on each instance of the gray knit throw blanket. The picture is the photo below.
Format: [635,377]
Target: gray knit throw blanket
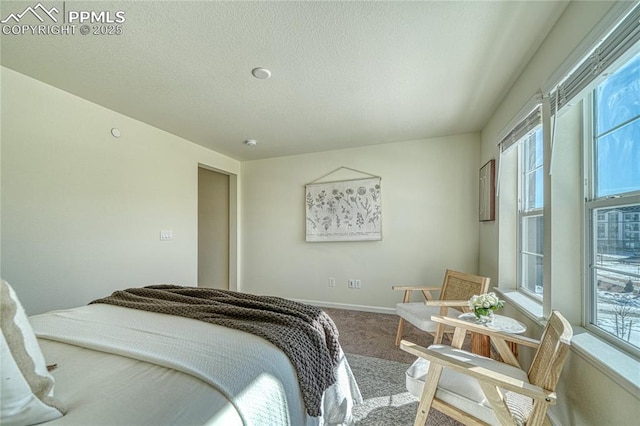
[305,333]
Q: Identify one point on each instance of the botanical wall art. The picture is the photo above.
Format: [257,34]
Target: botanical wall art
[349,210]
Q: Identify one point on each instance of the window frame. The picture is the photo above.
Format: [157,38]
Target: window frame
[522,213]
[592,205]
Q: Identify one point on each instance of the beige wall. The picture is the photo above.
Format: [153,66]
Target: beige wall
[81,210]
[588,392]
[429,222]
[586,396]
[573,26]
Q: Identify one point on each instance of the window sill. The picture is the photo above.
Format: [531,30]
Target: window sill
[526,305]
[620,367]
[615,364]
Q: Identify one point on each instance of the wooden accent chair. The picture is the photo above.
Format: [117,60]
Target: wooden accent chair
[455,292]
[476,390]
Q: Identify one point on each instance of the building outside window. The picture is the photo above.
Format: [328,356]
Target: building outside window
[613,208]
[530,215]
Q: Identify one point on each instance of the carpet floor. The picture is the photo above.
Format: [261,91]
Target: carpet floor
[379,366]
[386,400]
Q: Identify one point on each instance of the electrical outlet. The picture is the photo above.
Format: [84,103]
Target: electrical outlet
[332,282]
[357,283]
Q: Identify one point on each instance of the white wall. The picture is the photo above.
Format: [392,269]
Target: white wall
[82,210]
[429,211]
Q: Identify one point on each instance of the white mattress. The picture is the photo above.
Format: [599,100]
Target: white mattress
[124,366]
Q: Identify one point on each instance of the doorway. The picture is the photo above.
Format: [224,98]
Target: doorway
[213,229]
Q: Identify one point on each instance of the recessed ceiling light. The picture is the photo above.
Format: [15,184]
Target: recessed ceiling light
[251,142]
[261,73]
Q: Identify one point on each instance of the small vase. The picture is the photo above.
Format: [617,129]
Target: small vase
[485,319]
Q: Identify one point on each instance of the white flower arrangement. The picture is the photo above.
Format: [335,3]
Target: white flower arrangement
[483,304]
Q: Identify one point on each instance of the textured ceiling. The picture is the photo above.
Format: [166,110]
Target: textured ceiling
[344,74]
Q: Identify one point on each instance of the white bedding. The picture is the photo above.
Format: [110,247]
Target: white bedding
[197,373]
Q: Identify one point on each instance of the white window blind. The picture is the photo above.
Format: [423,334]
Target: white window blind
[522,129]
[622,38]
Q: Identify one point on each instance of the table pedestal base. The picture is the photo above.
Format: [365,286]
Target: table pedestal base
[481,345]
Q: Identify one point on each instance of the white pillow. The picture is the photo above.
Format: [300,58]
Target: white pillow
[26,387]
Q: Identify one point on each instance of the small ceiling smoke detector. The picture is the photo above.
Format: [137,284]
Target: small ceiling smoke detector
[261,73]
[251,142]
[115,132]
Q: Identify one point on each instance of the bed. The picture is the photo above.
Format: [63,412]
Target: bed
[113,364]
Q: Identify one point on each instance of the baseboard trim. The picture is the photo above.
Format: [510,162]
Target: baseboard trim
[363,308]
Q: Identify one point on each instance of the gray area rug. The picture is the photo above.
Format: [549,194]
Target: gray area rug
[386,399]
[382,384]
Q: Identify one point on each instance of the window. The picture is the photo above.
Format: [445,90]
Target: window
[530,215]
[613,208]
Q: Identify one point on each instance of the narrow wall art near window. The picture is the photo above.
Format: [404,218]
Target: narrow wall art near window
[349,210]
[487,211]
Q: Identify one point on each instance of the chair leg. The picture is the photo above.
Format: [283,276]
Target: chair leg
[428,393]
[400,331]
[437,339]
[496,400]
[539,414]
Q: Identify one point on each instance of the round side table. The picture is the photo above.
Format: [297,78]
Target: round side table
[481,344]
